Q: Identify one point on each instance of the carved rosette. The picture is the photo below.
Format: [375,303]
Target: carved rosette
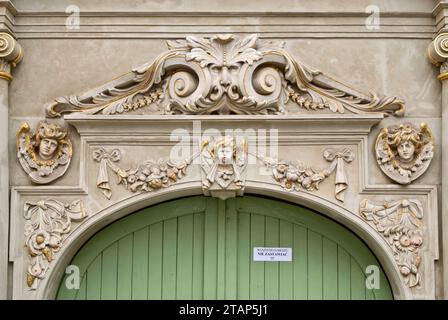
[44,155]
[47,224]
[400,224]
[149,176]
[403,152]
[295,175]
[225,74]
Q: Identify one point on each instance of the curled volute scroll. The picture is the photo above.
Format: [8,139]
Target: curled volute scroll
[224,74]
[404,152]
[44,155]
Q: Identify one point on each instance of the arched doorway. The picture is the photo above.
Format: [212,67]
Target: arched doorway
[201,248]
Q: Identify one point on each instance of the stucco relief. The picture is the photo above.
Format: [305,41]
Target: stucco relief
[225,74]
[223,163]
[404,152]
[296,175]
[47,223]
[149,176]
[400,224]
[44,155]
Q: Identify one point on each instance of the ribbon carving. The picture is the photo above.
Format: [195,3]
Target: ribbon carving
[149,176]
[338,159]
[295,175]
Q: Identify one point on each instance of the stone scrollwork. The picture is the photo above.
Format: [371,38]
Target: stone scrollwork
[149,176]
[224,74]
[47,221]
[44,155]
[296,175]
[400,224]
[223,163]
[404,152]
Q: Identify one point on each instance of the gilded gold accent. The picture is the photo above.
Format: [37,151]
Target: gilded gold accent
[442,76]
[5,75]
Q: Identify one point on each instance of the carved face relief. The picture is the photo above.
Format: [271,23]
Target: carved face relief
[223,163]
[45,155]
[47,147]
[225,154]
[404,152]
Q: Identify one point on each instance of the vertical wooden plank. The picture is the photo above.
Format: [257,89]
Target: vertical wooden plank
[344,275]
[210,249]
[369,294]
[231,249]
[358,281]
[169,259]
[124,283]
[286,267]
[81,294]
[244,256]
[198,257]
[140,265]
[94,284]
[271,274]
[314,266]
[330,269]
[221,275]
[257,224]
[155,261]
[300,258]
[109,272]
[184,257]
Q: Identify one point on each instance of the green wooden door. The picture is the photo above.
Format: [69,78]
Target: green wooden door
[201,248]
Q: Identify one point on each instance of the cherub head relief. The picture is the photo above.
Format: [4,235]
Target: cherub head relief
[223,162]
[45,154]
[404,152]
[224,150]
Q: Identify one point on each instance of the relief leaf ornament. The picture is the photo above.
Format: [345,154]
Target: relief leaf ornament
[403,152]
[400,224]
[224,74]
[44,155]
[295,175]
[47,222]
[149,176]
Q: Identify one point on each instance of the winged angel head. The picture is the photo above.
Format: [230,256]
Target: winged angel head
[223,161]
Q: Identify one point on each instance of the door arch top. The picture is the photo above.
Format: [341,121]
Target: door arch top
[319,246]
[49,285]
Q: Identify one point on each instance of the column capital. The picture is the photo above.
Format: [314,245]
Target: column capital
[11,54]
[437,53]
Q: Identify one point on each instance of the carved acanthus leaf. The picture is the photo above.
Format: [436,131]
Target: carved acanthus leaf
[225,74]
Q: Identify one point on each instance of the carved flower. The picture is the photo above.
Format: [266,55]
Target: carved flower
[155,183]
[38,241]
[405,241]
[292,176]
[416,240]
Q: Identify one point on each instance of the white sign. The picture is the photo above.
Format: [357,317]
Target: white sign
[272,254]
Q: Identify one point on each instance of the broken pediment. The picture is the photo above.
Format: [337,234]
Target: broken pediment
[224,74]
